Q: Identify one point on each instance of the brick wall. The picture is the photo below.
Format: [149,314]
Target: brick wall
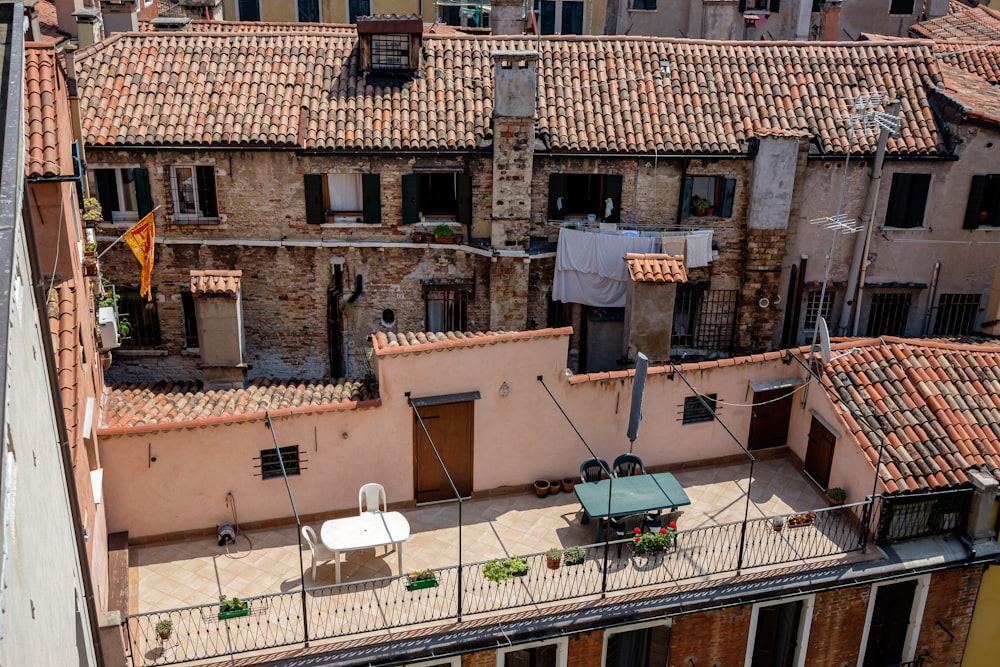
[951,599]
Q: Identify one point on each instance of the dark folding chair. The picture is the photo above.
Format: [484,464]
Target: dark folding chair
[624,527]
[593,470]
[627,465]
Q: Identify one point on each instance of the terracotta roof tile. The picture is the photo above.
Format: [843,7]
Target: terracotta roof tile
[166,404]
[653,268]
[44,82]
[390,343]
[63,324]
[981,59]
[976,97]
[215,282]
[961,22]
[622,95]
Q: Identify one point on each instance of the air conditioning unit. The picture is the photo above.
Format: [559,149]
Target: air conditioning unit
[107,327]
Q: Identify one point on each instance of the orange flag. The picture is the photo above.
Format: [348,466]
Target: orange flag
[140,238]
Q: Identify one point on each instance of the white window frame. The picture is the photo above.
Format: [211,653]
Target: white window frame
[175,192]
[802,637]
[121,216]
[630,628]
[342,215]
[916,616]
[557,24]
[561,643]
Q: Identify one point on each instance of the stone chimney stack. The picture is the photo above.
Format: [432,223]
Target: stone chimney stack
[120,16]
[88,26]
[830,22]
[507,17]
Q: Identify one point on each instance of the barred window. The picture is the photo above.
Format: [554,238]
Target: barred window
[270,464]
[446,307]
[696,411]
[391,52]
[956,313]
[888,313]
[812,307]
[193,191]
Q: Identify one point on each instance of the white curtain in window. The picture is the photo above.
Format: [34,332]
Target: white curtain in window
[345,192]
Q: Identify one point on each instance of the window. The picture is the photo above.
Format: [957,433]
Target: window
[901,7]
[142,316]
[907,200]
[575,196]
[637,646]
[391,52]
[343,198]
[536,654]
[123,192]
[249,10]
[894,613]
[812,307]
[270,464]
[558,313]
[644,4]
[779,634]
[695,411]
[560,17]
[708,195]
[438,196]
[308,11]
[193,189]
[356,8]
[759,5]
[983,209]
[956,313]
[190,321]
[888,313]
[704,319]
[446,307]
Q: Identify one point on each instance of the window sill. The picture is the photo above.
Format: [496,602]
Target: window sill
[905,229]
[195,221]
[140,352]
[633,10]
[341,225]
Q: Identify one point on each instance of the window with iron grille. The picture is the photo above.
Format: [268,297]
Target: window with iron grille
[193,191]
[446,307]
[190,321]
[812,307]
[956,313]
[888,313]
[142,316]
[696,411]
[391,52]
[704,319]
[270,464]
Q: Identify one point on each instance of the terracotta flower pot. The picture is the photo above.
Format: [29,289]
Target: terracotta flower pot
[555,486]
[542,488]
[567,484]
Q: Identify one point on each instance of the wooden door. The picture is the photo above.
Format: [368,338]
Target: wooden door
[450,428]
[769,422]
[819,453]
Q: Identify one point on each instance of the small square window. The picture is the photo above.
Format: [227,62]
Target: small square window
[695,410]
[901,7]
[270,464]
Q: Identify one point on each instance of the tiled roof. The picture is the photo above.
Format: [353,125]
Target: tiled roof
[63,324]
[961,22]
[980,59]
[404,343]
[215,282]
[168,404]
[43,81]
[622,95]
[976,96]
[252,26]
[937,404]
[655,268]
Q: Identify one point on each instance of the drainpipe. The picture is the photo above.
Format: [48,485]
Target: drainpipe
[931,296]
[859,264]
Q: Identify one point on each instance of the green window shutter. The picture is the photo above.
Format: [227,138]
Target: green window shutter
[899,196]
[613,190]
[315,214]
[686,197]
[725,209]
[411,198]
[463,199]
[557,196]
[143,195]
[107,191]
[975,205]
[372,196]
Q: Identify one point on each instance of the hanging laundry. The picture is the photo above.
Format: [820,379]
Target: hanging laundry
[590,268]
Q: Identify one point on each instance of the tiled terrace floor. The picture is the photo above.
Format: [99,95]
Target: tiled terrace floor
[266,561]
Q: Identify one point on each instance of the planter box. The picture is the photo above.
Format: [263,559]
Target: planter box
[420,584]
[236,613]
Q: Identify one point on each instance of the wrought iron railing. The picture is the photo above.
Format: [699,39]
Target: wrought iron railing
[377,604]
[922,514]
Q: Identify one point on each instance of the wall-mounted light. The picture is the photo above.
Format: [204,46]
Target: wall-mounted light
[504,389]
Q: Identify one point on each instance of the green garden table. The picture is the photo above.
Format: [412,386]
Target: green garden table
[630,495]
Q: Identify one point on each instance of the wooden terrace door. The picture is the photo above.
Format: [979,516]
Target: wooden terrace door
[819,453]
[769,421]
[450,427]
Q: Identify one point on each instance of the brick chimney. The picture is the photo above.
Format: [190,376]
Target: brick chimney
[120,16]
[830,20]
[65,15]
[507,17]
[88,26]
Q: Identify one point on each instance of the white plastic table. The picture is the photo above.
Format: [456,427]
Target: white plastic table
[369,529]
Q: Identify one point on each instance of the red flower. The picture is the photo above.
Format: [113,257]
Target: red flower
[673,524]
[637,530]
[637,538]
[663,531]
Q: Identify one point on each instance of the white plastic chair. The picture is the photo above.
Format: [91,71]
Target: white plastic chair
[318,549]
[371,497]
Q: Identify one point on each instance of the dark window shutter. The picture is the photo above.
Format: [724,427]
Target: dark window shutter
[143,195]
[919,185]
[107,191]
[774,6]
[743,6]
[372,196]
[313,183]
[816,7]
[463,199]
[613,189]
[975,205]
[728,194]
[206,191]
[557,192]
[686,197]
[899,195]
[411,198]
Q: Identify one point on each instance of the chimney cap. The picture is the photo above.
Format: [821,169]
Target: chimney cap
[167,23]
[87,15]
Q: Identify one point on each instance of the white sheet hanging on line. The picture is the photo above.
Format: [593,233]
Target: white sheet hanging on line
[699,249]
[590,268]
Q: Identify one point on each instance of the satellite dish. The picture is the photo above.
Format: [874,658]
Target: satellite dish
[638,387]
[824,340]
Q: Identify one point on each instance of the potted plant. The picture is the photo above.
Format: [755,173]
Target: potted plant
[567,484]
[701,206]
[417,236]
[496,570]
[232,607]
[653,540]
[801,519]
[555,486]
[164,628]
[777,523]
[517,566]
[574,555]
[553,557]
[92,212]
[443,234]
[836,495]
[421,579]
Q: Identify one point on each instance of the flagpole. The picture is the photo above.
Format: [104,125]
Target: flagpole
[120,237]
